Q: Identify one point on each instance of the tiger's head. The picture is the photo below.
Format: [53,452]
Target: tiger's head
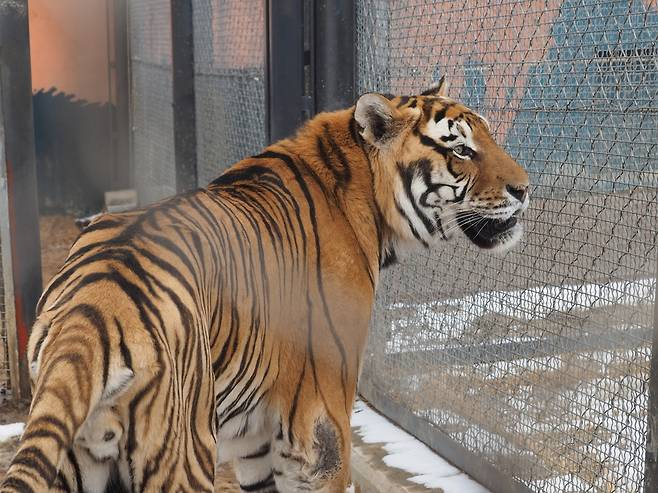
[438,170]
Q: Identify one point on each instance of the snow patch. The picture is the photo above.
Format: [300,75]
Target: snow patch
[409,454]
[434,324]
[11,431]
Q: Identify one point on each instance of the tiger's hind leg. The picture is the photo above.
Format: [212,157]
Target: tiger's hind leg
[91,465]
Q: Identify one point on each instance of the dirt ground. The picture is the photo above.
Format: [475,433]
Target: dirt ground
[58,232]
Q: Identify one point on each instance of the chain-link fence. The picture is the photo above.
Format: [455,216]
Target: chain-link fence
[536,361]
[229,54]
[152,141]
[229,44]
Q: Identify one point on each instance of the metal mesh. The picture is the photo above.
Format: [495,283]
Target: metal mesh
[149,24]
[536,361]
[229,39]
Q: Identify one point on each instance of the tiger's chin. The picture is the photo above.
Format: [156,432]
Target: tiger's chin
[496,235]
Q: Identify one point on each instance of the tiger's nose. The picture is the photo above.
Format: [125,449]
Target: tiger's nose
[519,193]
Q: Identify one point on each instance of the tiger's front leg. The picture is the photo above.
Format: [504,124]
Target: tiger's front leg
[244,441]
[269,463]
[311,443]
[318,461]
[270,452]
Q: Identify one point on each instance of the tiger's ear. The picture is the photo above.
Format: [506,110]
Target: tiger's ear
[441,89]
[379,119]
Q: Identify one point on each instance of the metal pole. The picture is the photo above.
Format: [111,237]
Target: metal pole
[288,103]
[120,98]
[334,54]
[182,51]
[651,456]
[19,158]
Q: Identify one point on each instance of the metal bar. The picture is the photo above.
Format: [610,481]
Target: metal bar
[472,464]
[608,338]
[23,211]
[120,113]
[285,68]
[651,455]
[335,54]
[182,51]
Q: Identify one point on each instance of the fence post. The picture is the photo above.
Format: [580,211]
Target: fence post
[651,456]
[20,168]
[119,77]
[184,100]
[288,100]
[334,54]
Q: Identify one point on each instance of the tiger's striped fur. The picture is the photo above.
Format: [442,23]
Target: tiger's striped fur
[229,323]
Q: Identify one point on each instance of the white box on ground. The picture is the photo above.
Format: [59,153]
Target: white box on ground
[120,200]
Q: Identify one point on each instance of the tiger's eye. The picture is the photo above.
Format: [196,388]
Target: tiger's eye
[463,151]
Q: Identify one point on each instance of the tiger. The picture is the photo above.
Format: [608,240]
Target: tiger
[228,324]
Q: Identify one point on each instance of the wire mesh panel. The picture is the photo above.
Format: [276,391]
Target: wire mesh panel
[536,360]
[229,38]
[149,24]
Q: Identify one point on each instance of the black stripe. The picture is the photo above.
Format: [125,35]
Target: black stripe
[62,483]
[96,319]
[33,458]
[17,484]
[43,433]
[125,352]
[411,226]
[102,224]
[407,174]
[260,485]
[295,400]
[427,141]
[240,174]
[345,172]
[441,114]
[76,469]
[261,452]
[56,422]
[37,346]
[390,258]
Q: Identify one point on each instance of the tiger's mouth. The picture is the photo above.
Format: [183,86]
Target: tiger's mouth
[488,233]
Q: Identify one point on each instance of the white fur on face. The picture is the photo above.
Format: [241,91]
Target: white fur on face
[451,132]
